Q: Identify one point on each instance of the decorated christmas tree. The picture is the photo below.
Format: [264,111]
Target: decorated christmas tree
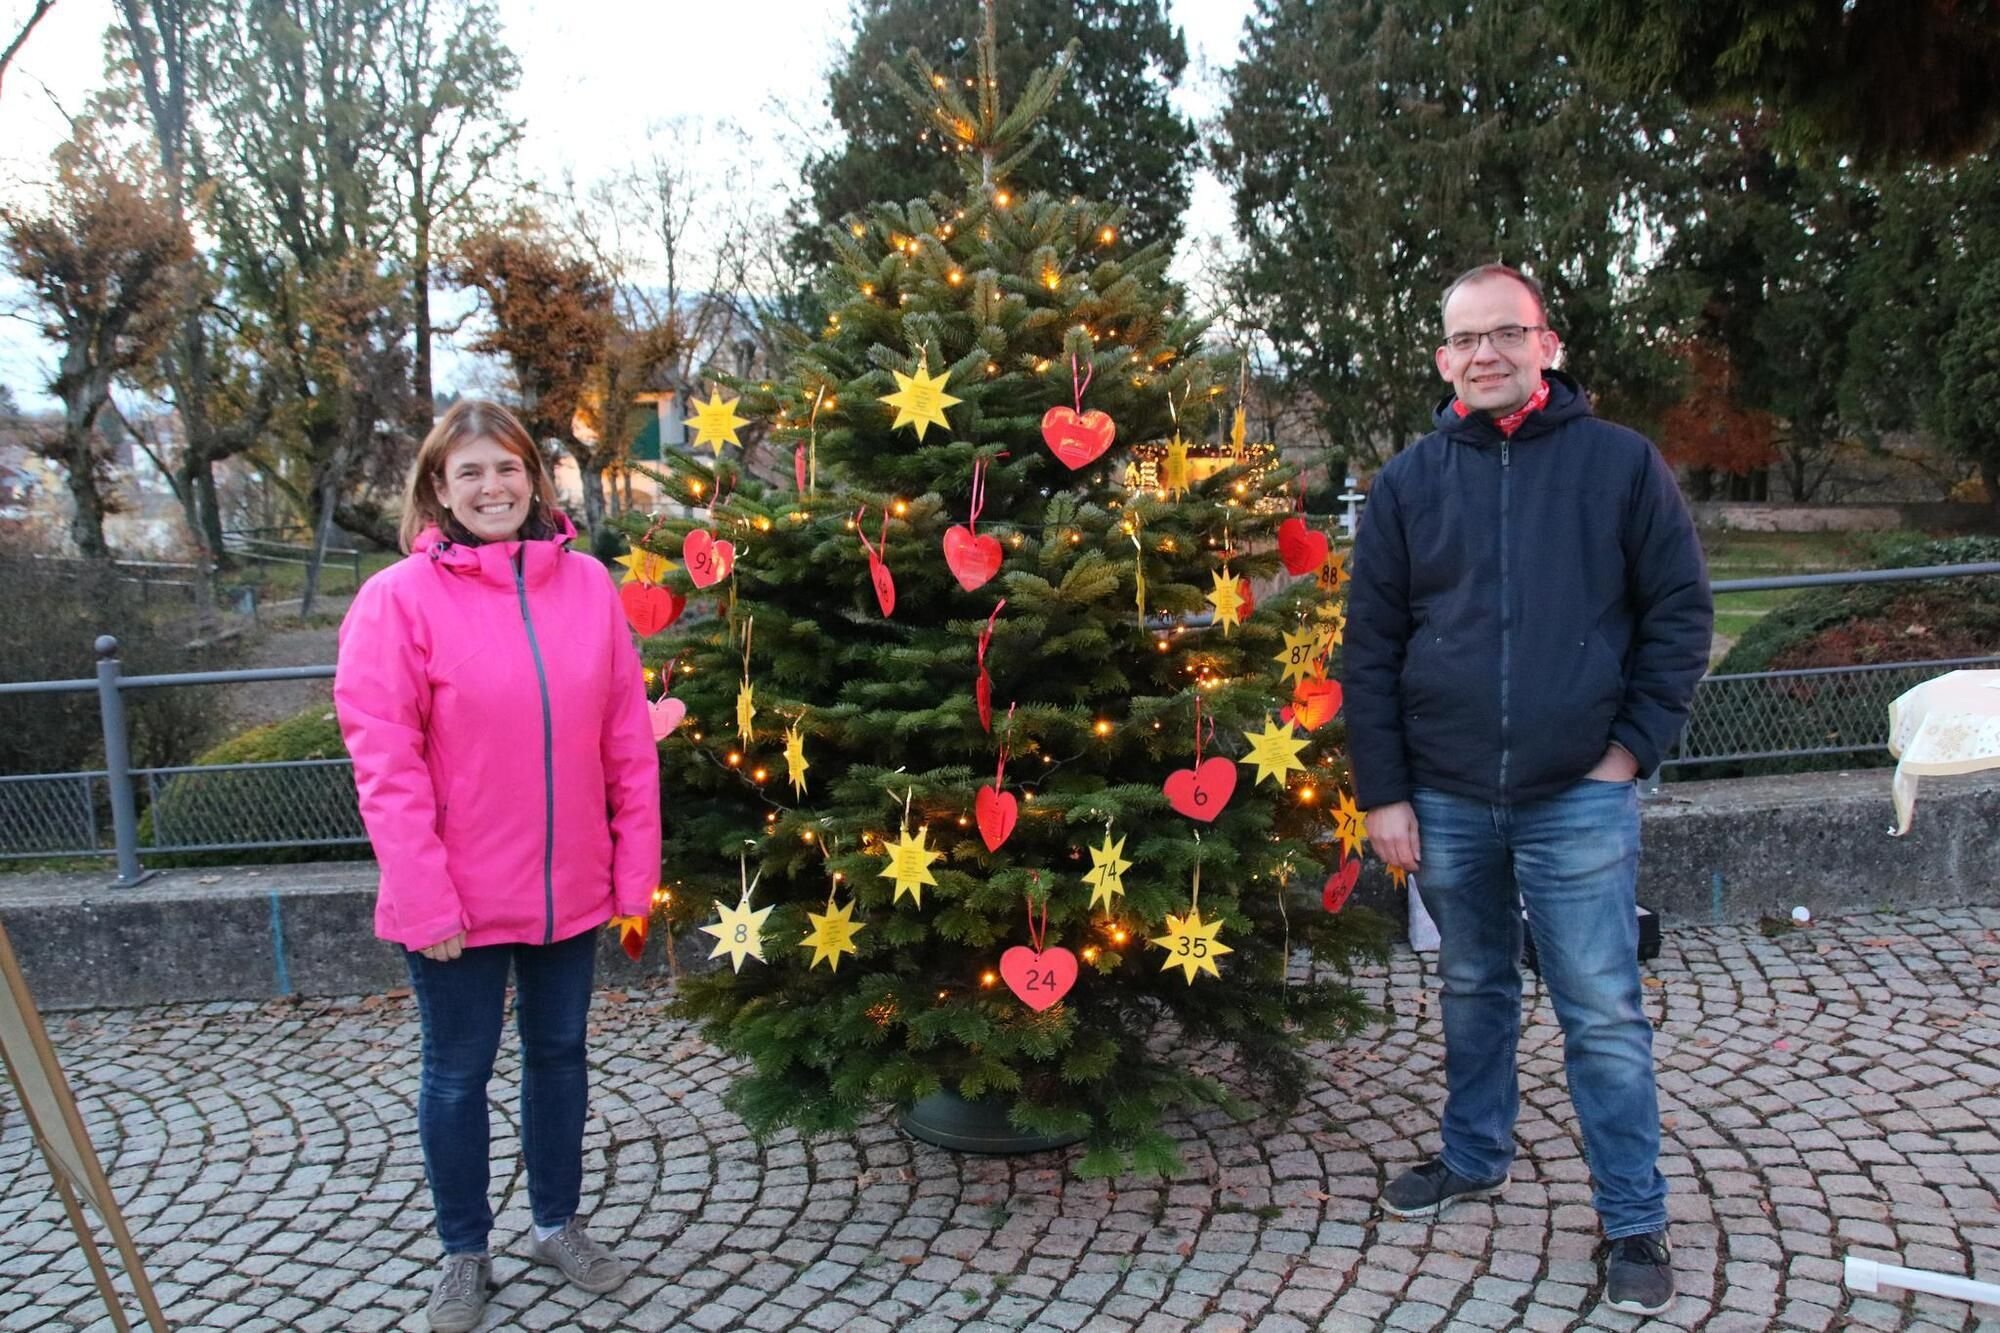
[990,773]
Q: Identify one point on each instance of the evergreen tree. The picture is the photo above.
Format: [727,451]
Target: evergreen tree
[1092,706]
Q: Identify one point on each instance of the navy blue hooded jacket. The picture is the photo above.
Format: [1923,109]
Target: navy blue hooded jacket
[1518,604]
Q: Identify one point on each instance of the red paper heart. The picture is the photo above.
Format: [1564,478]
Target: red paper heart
[799,468]
[650,609]
[1200,793]
[973,559]
[1247,595]
[982,694]
[1040,979]
[1302,549]
[666,714]
[996,812]
[1077,440]
[1315,702]
[1339,884]
[708,560]
[885,586]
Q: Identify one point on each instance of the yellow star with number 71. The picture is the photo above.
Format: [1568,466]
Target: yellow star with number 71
[1349,826]
[909,865]
[715,422]
[1275,751]
[1106,876]
[920,400]
[740,932]
[1300,656]
[795,759]
[746,710]
[832,935]
[644,566]
[1227,600]
[1191,945]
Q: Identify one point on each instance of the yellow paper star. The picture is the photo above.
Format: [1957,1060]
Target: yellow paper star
[1139,584]
[1332,633]
[1177,467]
[795,759]
[832,935]
[1227,600]
[715,422]
[644,566]
[1191,945]
[746,709]
[1237,432]
[1399,877]
[631,933]
[920,400]
[1349,826]
[1106,876]
[910,864]
[1333,573]
[1301,655]
[1275,751]
[740,932]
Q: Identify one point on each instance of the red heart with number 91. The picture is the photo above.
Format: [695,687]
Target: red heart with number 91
[708,560]
[1200,793]
[1039,979]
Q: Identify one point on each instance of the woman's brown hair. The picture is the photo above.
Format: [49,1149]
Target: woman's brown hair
[466,420]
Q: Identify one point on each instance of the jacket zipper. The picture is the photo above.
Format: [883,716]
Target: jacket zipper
[548,761]
[1506,618]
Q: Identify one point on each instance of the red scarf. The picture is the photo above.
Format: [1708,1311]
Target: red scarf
[1510,423]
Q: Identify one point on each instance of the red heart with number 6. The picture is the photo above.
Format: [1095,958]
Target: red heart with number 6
[1302,549]
[650,609]
[972,559]
[1039,979]
[997,812]
[1077,440]
[708,560]
[1339,884]
[1200,793]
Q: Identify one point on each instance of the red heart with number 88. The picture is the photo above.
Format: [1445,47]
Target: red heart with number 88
[1040,979]
[1200,793]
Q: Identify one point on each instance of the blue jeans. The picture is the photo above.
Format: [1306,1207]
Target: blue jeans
[463,1007]
[1573,859]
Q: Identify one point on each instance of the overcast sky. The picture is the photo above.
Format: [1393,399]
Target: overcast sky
[594,75]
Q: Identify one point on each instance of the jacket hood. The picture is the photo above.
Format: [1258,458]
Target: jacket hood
[1567,402]
[493,562]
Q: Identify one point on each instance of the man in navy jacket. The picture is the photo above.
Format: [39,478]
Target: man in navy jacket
[1529,615]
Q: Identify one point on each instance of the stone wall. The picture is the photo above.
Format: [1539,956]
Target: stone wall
[1939,516]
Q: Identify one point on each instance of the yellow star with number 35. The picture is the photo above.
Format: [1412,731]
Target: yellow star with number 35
[740,932]
[1349,826]
[1227,600]
[746,710]
[910,864]
[832,935]
[715,422]
[1300,656]
[644,566]
[1191,945]
[1106,876]
[1275,751]
[795,759]
[920,400]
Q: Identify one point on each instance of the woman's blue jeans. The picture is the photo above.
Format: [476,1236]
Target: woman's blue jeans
[1573,860]
[463,1007]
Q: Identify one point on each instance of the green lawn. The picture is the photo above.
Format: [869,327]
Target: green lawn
[281,582]
[1751,555]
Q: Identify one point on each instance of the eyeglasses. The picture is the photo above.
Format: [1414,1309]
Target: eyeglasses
[1505,338]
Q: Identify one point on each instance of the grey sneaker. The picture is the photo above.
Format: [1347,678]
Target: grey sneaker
[1639,1274]
[582,1260]
[459,1298]
[1427,1190]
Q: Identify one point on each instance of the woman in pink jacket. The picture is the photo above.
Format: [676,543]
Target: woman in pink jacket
[493,702]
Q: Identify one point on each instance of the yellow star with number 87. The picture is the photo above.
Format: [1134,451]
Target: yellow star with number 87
[920,400]
[715,422]
[1227,600]
[1275,751]
[1191,945]
[740,932]
[832,935]
[1300,656]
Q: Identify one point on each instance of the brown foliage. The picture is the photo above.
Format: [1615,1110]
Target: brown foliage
[1708,429]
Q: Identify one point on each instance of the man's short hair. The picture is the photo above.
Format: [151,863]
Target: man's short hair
[1484,271]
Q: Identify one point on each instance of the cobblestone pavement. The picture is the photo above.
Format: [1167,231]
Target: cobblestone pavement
[1826,1092]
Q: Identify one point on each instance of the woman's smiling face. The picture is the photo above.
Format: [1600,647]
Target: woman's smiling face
[487,489]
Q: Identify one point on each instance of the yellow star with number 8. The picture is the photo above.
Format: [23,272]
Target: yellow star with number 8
[715,422]
[832,935]
[1275,751]
[740,932]
[920,400]
[1191,945]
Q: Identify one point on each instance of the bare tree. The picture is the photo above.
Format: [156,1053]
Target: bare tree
[21,38]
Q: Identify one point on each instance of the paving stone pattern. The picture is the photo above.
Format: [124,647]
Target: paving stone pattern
[1827,1092]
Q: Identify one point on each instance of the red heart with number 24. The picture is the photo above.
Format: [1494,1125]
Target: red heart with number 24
[1339,884]
[973,559]
[1302,549]
[997,812]
[650,609]
[1040,979]
[1200,793]
[1077,440]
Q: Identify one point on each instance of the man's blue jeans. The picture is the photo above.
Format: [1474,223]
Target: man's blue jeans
[1573,859]
[463,1007]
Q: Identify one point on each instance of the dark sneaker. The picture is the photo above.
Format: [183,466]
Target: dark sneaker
[1428,1190]
[1639,1274]
[582,1260]
[459,1298]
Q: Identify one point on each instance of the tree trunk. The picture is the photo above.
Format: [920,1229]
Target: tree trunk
[590,472]
[329,493]
[86,523]
[1989,477]
[210,512]
[420,307]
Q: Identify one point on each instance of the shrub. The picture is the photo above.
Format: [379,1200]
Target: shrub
[274,805]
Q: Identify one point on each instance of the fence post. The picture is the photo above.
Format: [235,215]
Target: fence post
[118,764]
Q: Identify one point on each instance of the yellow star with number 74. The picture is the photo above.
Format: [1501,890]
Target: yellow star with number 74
[1106,876]
[1275,751]
[1349,826]
[1300,656]
[1227,600]
[740,932]
[1191,945]
[920,400]
[715,422]
[746,710]
[795,759]
[644,566]
[832,935]
[909,865]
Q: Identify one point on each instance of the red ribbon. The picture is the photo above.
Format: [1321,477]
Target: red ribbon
[883,537]
[1038,937]
[1000,769]
[978,495]
[1197,731]
[1080,384]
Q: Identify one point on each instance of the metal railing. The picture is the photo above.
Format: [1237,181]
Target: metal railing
[249,544]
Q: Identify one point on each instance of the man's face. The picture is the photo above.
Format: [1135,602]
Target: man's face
[1489,378]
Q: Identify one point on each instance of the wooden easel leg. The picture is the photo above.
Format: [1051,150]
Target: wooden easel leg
[79,1224]
[135,1269]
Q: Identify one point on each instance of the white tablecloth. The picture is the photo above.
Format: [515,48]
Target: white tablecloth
[1947,725]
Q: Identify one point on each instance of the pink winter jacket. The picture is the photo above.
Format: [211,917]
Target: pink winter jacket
[494,705]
